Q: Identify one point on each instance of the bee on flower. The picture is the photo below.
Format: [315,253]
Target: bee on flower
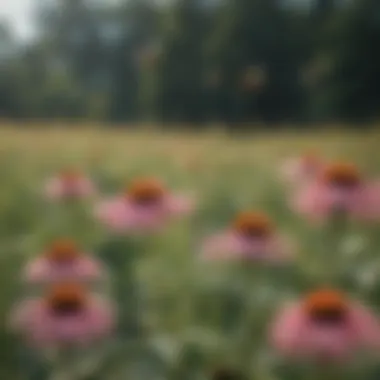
[69,184]
[146,205]
[340,188]
[67,315]
[325,326]
[251,236]
[63,260]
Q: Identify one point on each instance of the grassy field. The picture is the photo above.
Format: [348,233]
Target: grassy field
[194,314]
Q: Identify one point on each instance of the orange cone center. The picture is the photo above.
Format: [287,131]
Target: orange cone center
[253,224]
[70,176]
[326,306]
[63,251]
[342,175]
[66,299]
[147,191]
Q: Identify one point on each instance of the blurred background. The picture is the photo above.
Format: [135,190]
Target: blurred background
[235,63]
[210,69]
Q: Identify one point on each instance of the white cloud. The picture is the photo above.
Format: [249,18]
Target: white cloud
[18,14]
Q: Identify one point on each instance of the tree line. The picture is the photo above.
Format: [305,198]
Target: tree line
[196,62]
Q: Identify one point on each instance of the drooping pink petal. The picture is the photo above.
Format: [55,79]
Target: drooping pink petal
[313,200]
[102,318]
[53,189]
[285,333]
[123,215]
[44,271]
[280,248]
[365,327]
[85,187]
[298,171]
[178,205]
[326,343]
[57,188]
[230,245]
[114,214]
[147,218]
[42,328]
[294,334]
[225,245]
[369,206]
[319,201]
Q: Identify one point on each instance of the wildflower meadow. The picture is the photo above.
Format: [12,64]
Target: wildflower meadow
[153,256]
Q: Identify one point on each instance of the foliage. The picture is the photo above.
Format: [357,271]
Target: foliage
[195,313]
[192,61]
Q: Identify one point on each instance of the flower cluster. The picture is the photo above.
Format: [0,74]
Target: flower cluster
[325,189]
[340,188]
[65,311]
[324,325]
[251,236]
[69,184]
[146,204]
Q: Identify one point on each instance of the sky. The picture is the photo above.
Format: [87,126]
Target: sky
[17,14]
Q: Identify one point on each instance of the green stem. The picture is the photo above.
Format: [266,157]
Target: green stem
[31,366]
[332,256]
[251,325]
[120,256]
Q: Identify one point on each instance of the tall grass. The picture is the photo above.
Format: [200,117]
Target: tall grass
[194,307]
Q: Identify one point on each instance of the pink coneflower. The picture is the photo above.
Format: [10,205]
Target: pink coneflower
[66,315]
[251,236]
[339,189]
[301,170]
[147,204]
[325,326]
[63,261]
[69,184]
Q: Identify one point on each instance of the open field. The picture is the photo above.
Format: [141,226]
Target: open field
[192,317]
